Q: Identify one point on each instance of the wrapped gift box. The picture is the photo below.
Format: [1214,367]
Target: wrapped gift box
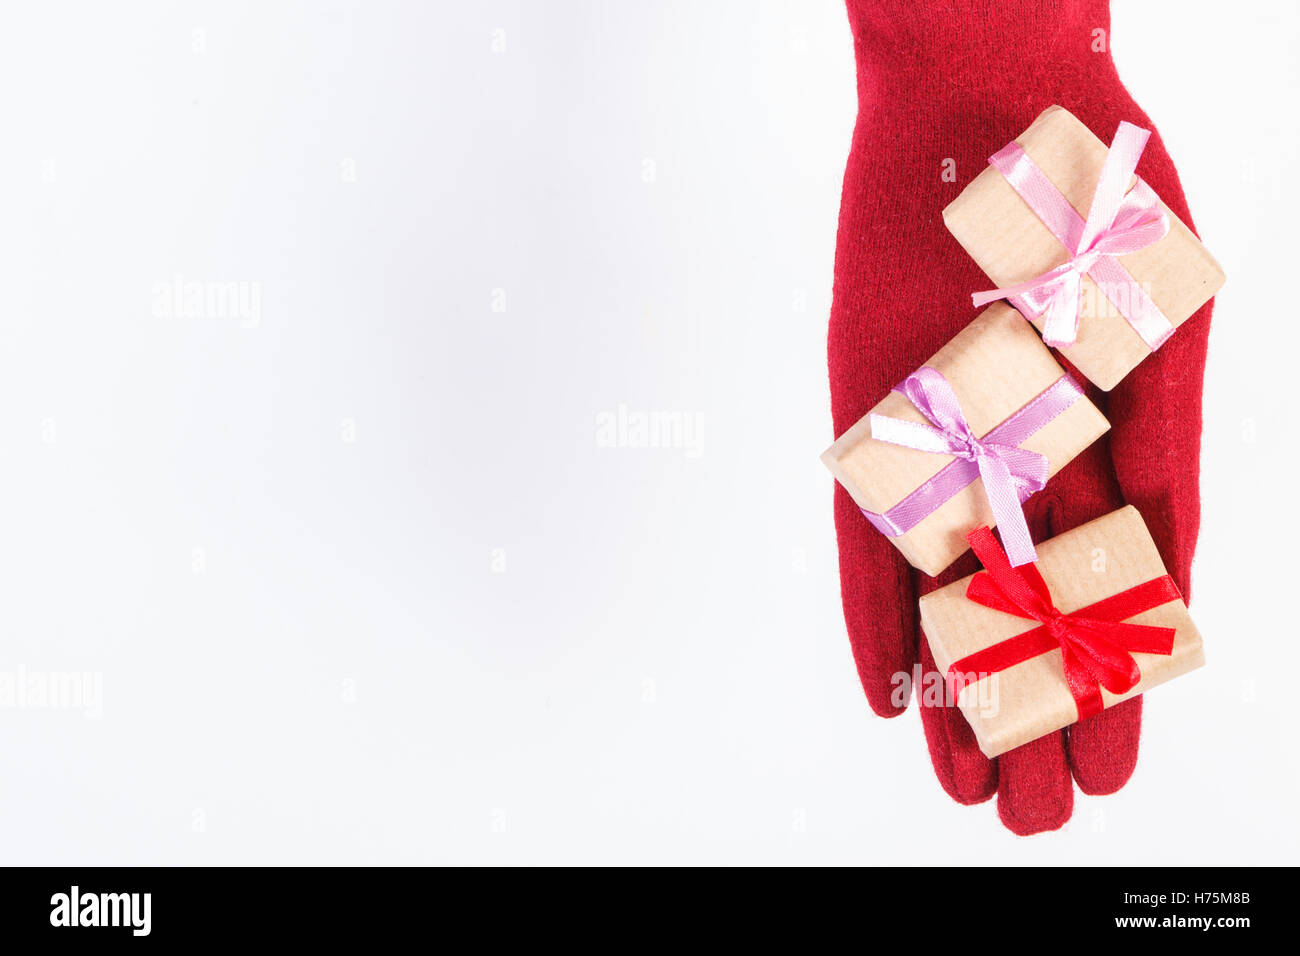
[1012,244]
[996,366]
[1109,557]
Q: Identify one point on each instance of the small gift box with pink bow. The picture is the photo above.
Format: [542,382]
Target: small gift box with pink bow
[964,440]
[1028,650]
[1083,248]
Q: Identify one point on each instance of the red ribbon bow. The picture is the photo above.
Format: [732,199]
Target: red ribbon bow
[1095,641]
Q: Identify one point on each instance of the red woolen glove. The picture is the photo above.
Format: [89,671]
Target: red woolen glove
[956,80]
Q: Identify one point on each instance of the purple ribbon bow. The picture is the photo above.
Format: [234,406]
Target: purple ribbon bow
[1010,473]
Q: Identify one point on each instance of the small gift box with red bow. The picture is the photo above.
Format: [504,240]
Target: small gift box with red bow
[1029,650]
[964,440]
[1087,251]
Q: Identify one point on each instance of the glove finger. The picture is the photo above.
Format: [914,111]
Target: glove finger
[964,772]
[1155,440]
[1035,792]
[879,608]
[1103,749]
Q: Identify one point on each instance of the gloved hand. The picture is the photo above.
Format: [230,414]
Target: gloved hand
[953,80]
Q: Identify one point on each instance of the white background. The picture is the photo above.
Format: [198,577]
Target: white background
[358,578]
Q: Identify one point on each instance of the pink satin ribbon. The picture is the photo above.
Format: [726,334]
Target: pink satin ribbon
[1121,221]
[1010,473]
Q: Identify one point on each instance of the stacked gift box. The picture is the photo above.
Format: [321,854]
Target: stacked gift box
[1085,251]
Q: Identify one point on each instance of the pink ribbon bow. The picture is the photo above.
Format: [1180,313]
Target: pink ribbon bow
[1010,473]
[1121,221]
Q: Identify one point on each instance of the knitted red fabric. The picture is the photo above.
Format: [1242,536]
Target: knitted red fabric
[954,80]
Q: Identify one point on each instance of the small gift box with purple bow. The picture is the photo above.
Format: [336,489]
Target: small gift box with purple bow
[1026,651]
[1083,248]
[964,440]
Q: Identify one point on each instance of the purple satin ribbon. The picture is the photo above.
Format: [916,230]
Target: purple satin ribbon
[1121,221]
[1010,473]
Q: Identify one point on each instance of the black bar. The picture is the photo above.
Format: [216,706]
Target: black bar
[370,906]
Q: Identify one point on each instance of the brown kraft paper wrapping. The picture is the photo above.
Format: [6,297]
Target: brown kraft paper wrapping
[1012,245]
[996,365]
[1024,702]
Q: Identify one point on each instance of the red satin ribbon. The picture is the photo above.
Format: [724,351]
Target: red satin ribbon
[1095,641]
